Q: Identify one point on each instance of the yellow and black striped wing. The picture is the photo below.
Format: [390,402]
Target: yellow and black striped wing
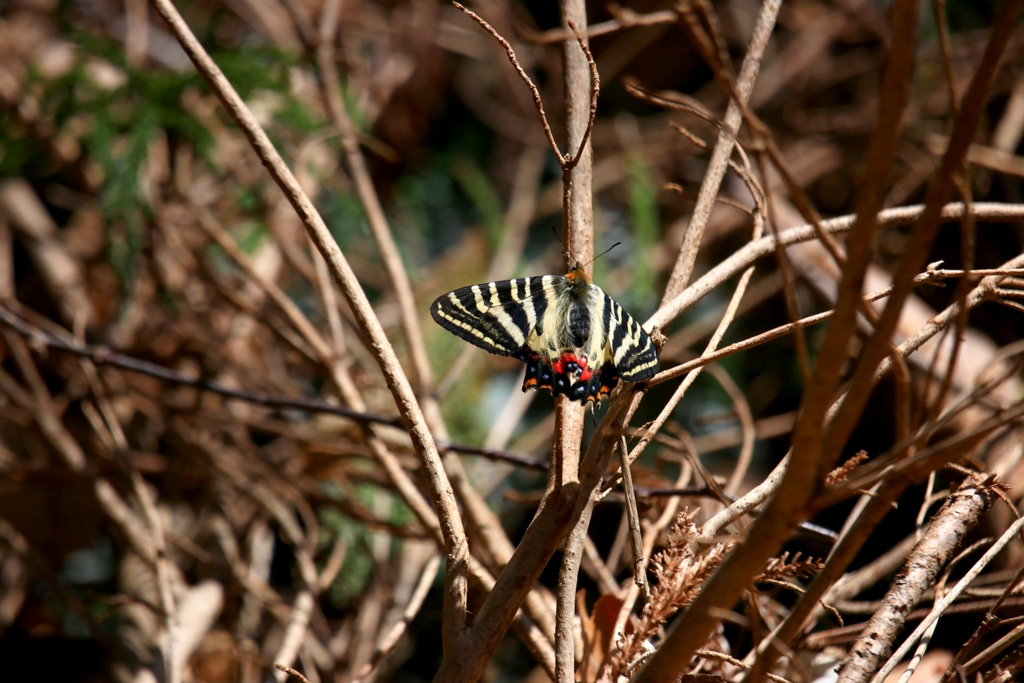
[496,316]
[632,352]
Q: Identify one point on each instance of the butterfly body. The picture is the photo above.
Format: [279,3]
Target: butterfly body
[574,338]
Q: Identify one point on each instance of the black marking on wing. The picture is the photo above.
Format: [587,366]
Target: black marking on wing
[613,323]
[518,316]
[540,300]
[496,316]
[541,375]
[634,354]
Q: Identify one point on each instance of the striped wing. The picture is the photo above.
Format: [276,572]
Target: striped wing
[496,316]
[632,352]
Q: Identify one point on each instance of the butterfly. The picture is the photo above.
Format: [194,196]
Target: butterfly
[575,339]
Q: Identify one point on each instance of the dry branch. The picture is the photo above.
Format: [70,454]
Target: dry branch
[680,276]
[942,539]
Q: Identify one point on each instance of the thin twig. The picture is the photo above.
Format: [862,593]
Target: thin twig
[104,355]
[740,259]
[712,345]
[654,532]
[595,91]
[636,538]
[723,151]
[377,220]
[986,624]
[624,18]
[1005,641]
[538,102]
[786,274]
[291,672]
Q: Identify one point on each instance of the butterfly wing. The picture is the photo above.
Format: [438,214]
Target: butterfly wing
[632,352]
[499,317]
[574,338]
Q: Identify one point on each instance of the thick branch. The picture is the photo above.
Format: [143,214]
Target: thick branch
[933,552]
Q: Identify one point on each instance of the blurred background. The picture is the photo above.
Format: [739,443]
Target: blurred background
[137,226]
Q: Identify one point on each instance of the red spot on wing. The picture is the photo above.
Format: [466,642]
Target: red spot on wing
[570,357]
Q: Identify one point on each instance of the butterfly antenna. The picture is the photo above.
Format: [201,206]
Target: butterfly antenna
[568,257]
[601,254]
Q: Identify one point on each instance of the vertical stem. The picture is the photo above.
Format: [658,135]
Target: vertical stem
[580,236]
[636,538]
[595,463]
[579,240]
[578,222]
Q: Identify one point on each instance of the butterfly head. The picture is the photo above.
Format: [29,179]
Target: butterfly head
[578,278]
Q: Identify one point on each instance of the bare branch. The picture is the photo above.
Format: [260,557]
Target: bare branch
[595,87]
[949,597]
[743,257]
[538,102]
[958,516]
[723,151]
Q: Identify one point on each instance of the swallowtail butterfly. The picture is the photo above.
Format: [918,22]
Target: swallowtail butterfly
[574,339]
